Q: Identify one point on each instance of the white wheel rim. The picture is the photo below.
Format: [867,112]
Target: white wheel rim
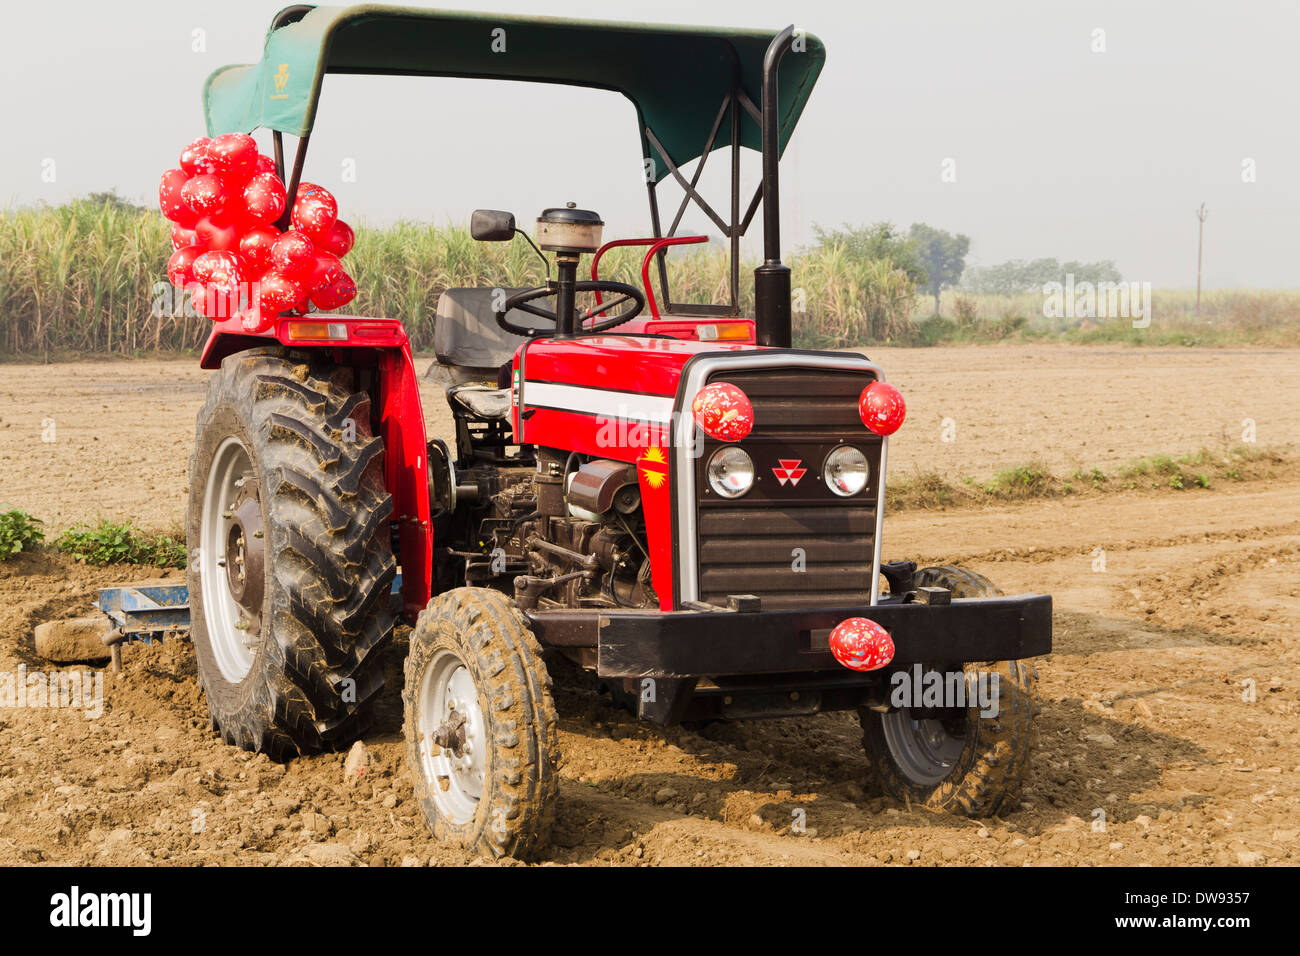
[454,780]
[233,647]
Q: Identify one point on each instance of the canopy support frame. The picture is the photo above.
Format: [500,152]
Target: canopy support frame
[735,103]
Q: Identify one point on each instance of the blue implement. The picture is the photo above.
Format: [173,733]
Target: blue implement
[146,612]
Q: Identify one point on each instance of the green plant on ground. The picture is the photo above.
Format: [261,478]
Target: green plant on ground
[932,489]
[965,311]
[19,532]
[1023,481]
[1093,476]
[109,543]
[926,489]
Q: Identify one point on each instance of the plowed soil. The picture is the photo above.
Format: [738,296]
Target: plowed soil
[1170,725]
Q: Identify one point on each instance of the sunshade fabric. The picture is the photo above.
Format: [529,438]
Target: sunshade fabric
[675,76]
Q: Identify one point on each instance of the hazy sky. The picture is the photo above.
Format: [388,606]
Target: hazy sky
[1058,150]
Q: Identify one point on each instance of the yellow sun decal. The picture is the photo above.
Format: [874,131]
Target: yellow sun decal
[654,467]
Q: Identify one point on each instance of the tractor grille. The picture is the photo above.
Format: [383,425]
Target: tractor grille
[794,545]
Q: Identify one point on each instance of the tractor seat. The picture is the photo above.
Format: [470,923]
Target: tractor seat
[483,401]
[466,338]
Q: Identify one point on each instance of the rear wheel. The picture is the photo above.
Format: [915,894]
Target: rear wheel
[481,726]
[290,561]
[956,759]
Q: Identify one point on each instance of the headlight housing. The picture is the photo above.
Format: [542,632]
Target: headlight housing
[846,471]
[730,471]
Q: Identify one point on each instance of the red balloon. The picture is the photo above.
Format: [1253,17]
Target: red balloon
[225,284]
[233,156]
[213,300]
[293,255]
[325,272]
[253,319]
[216,302]
[170,201]
[264,198]
[340,239]
[255,246]
[205,194]
[337,294]
[180,267]
[182,237]
[265,164]
[881,408]
[194,157]
[212,233]
[723,411]
[277,294]
[314,212]
[218,268]
[860,644]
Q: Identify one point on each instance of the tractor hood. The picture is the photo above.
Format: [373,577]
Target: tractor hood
[606,395]
[644,365]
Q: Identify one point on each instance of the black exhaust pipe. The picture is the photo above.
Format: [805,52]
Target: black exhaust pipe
[772,279]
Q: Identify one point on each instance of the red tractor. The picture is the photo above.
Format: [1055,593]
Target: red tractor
[667,495]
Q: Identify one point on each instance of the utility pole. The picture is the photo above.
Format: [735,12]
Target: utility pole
[1200,244]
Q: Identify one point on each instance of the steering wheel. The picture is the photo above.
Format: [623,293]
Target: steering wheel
[521,301]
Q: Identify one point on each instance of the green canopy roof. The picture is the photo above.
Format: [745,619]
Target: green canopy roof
[676,76]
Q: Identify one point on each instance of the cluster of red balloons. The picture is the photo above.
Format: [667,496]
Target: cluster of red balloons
[224,202]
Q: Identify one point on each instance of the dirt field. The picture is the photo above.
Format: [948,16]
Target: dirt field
[1170,706]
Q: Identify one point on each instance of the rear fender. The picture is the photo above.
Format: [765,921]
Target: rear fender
[406,473]
[380,344]
[303,332]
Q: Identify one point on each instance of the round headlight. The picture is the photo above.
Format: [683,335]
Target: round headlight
[731,472]
[846,471]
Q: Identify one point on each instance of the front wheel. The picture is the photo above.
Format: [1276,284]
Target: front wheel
[480,724]
[969,759]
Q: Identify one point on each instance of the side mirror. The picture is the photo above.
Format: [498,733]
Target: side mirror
[492,225]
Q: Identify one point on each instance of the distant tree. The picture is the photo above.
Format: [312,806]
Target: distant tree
[876,242]
[943,256]
[118,203]
[1020,275]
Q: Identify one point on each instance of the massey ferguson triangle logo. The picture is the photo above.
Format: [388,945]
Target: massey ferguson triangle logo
[789,471]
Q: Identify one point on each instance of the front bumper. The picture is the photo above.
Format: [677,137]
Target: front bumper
[634,643]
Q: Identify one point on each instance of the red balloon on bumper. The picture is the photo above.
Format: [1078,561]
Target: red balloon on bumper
[861,644]
[723,411]
[882,408]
